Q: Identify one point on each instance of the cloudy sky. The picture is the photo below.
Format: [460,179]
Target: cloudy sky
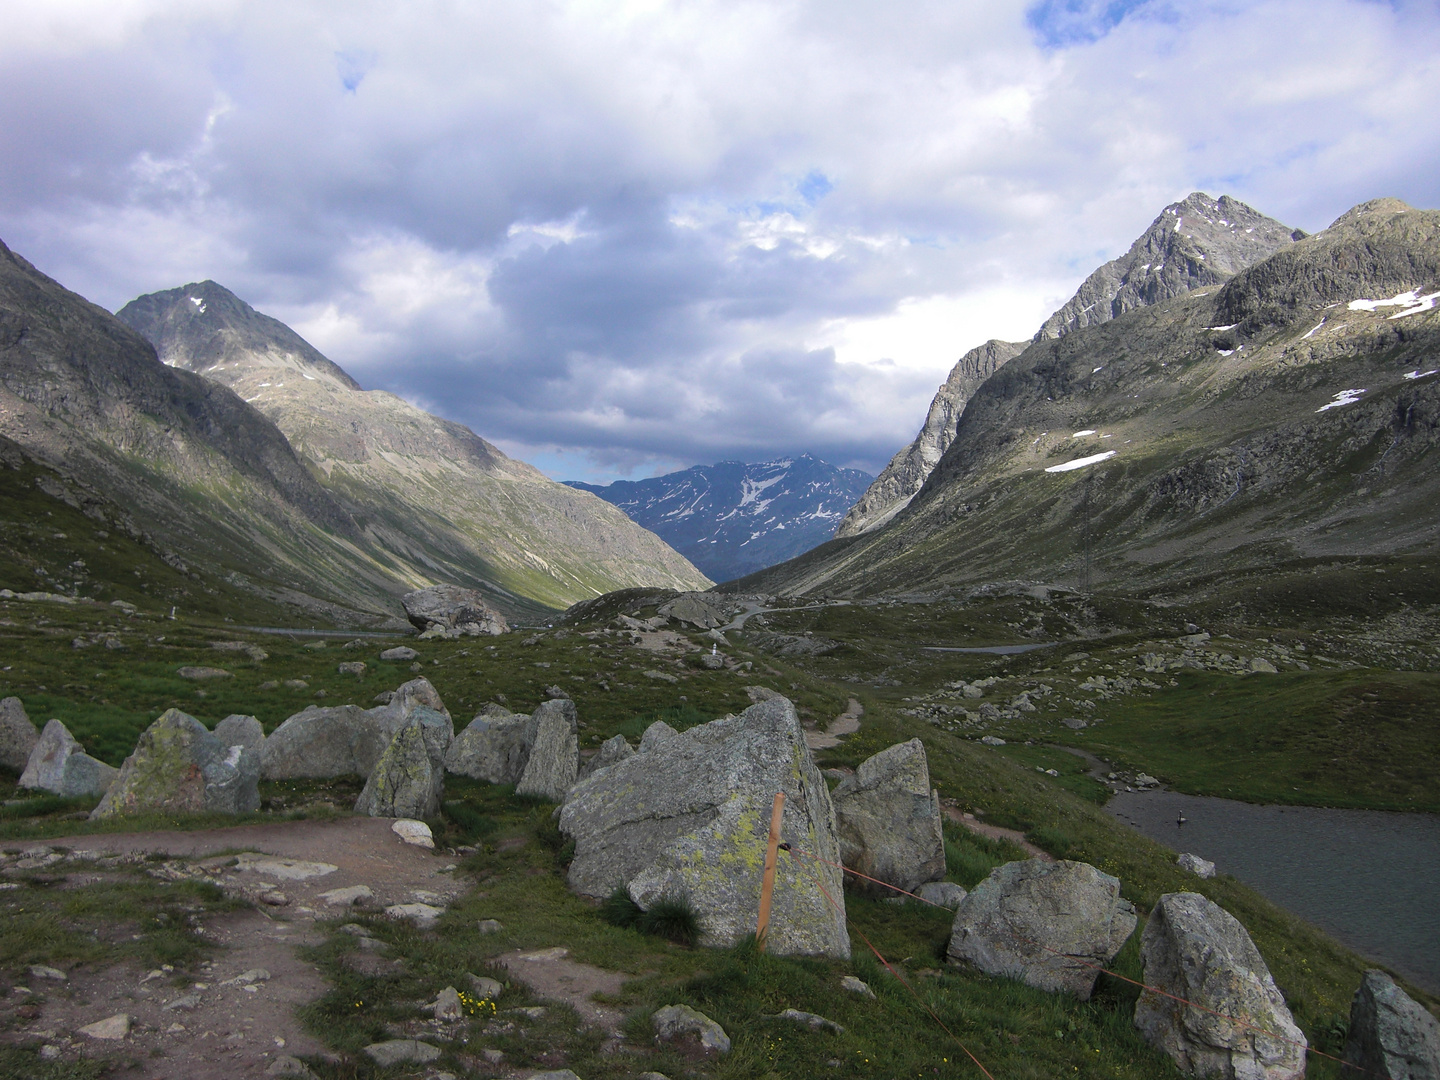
[620,238]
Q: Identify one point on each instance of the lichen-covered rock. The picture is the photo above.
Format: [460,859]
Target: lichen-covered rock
[409,779]
[1392,1036]
[345,740]
[889,820]
[59,765]
[1050,925]
[1194,949]
[180,766]
[554,759]
[452,611]
[18,735]
[654,735]
[612,750]
[494,747]
[689,818]
[239,730]
[677,1021]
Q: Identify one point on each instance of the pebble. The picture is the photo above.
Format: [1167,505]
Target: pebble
[185,1002]
[355,894]
[399,1051]
[254,975]
[423,915]
[40,971]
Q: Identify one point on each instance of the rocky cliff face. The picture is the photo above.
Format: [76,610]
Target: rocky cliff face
[906,474]
[441,502]
[734,518]
[1197,242]
[1287,414]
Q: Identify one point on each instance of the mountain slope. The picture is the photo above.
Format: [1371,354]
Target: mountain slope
[1193,243]
[893,489]
[440,502]
[209,477]
[732,518]
[1290,414]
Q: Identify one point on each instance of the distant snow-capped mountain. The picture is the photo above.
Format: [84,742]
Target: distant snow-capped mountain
[734,518]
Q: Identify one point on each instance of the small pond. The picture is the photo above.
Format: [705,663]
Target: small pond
[1369,878]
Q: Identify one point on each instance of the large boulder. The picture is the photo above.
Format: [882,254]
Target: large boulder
[554,759]
[1392,1037]
[614,749]
[494,747]
[409,779]
[59,765]
[889,820]
[704,610]
[1196,950]
[1048,924]
[178,765]
[450,611]
[17,734]
[346,740]
[240,730]
[689,818]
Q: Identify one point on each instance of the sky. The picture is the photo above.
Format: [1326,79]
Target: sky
[619,239]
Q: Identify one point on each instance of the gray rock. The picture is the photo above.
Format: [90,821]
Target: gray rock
[856,986]
[484,988]
[344,740]
[702,610]
[660,676]
[1194,864]
[452,610]
[1262,666]
[555,1074]
[58,765]
[654,735]
[401,1051]
[18,735]
[489,926]
[555,756]
[178,765]
[888,819]
[409,779]
[677,1021]
[611,750]
[1047,924]
[1195,950]
[944,893]
[1392,1037]
[239,730]
[400,652]
[813,1021]
[447,1005]
[352,667]
[689,819]
[288,1065]
[495,748]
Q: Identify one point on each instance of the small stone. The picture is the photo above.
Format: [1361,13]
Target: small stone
[352,667]
[530,1012]
[355,894]
[856,986]
[662,1076]
[286,1065]
[447,1005]
[1194,864]
[356,929]
[112,1028]
[400,1051]
[992,740]
[400,652]
[183,1004]
[49,1052]
[1262,666]
[254,975]
[810,1020]
[660,676]
[274,898]
[483,988]
[489,926]
[40,971]
[413,832]
[944,894]
[494,1057]
[175,1028]
[203,673]
[297,684]
[675,1021]
[545,955]
[555,1074]
[422,915]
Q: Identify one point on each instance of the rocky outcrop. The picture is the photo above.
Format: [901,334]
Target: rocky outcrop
[180,766]
[614,749]
[1392,1036]
[239,730]
[345,740]
[452,611]
[554,758]
[1195,950]
[409,779]
[1050,925]
[688,819]
[495,747]
[59,765]
[656,734]
[17,734]
[888,819]
[898,483]
[703,610]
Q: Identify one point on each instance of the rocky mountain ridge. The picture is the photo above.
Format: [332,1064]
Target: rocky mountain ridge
[1285,415]
[1193,243]
[734,518]
[443,503]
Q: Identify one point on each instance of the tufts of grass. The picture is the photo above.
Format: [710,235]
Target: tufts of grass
[671,918]
[619,910]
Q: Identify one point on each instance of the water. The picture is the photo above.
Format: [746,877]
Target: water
[1370,878]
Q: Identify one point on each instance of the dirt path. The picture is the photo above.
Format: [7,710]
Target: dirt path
[227,1023]
[847,723]
[995,832]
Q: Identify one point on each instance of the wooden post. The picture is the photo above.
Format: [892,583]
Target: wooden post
[767,883]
